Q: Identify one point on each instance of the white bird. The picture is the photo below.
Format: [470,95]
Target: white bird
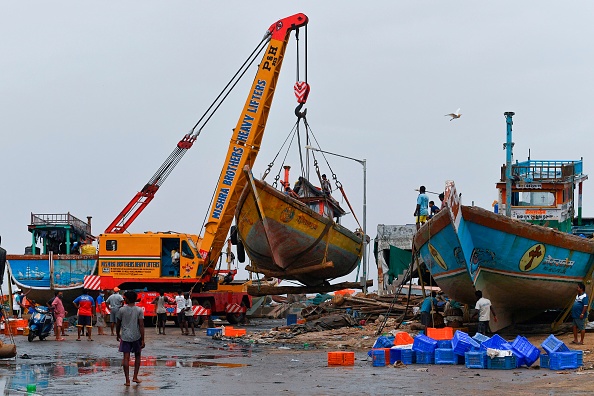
[454,115]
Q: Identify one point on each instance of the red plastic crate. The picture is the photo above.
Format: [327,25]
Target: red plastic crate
[341,358]
[234,332]
[403,338]
[446,333]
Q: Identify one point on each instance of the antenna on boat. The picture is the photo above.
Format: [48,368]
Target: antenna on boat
[508,146]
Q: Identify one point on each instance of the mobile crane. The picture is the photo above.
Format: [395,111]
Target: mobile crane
[145,261]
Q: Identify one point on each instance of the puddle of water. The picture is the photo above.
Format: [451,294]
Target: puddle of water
[18,376]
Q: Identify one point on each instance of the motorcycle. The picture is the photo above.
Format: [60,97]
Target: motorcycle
[41,323]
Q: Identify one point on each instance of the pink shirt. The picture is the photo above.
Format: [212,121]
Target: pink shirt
[58,307]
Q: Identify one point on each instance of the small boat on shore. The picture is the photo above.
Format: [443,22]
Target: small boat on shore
[296,237]
[60,263]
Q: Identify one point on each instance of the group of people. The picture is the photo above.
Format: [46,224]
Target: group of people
[125,316]
[425,208]
[484,310]
[183,309]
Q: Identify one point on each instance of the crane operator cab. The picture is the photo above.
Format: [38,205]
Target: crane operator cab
[178,258]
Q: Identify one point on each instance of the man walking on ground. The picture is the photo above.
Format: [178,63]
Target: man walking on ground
[84,303]
[160,302]
[59,315]
[483,305]
[180,310]
[115,301]
[579,314]
[421,210]
[189,315]
[130,334]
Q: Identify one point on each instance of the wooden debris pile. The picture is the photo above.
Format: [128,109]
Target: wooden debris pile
[369,307]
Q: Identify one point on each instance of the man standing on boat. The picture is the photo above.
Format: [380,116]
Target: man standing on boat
[579,313]
[484,307]
[326,186]
[422,209]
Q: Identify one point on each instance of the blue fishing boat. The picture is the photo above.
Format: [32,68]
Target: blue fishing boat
[525,258]
[440,250]
[62,260]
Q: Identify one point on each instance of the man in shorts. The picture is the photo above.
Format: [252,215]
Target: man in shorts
[161,310]
[579,314]
[85,304]
[115,301]
[422,208]
[130,334]
[59,314]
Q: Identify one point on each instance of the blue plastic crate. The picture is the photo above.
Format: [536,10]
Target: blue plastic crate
[444,344]
[424,357]
[379,357]
[480,338]
[580,357]
[476,360]
[382,342]
[564,360]
[407,356]
[422,343]
[212,331]
[445,356]
[552,344]
[527,352]
[395,355]
[463,343]
[502,363]
[495,342]
[544,360]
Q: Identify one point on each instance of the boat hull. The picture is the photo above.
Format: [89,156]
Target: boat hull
[60,272]
[523,267]
[289,237]
[442,253]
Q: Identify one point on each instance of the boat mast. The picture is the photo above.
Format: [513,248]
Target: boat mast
[508,146]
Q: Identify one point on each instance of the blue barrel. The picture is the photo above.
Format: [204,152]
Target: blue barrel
[291,319]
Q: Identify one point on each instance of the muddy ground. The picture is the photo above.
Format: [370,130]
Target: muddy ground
[180,365]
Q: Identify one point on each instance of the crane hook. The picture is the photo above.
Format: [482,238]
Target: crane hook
[300,114]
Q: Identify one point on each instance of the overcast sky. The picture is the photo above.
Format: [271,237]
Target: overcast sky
[95,95]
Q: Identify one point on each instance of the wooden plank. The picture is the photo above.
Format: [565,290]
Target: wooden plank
[265,290]
[290,272]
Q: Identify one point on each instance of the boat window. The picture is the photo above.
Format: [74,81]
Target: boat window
[111,245]
[536,198]
[186,251]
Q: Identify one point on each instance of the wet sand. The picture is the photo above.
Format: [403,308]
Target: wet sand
[180,365]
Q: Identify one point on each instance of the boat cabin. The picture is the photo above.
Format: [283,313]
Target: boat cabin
[318,200]
[543,192]
[60,234]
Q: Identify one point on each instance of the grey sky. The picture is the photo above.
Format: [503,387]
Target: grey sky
[95,95]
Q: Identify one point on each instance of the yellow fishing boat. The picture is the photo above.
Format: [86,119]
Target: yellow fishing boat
[296,236]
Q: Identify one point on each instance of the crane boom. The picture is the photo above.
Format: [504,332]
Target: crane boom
[137,204]
[247,137]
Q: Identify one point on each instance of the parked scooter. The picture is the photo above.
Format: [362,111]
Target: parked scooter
[41,323]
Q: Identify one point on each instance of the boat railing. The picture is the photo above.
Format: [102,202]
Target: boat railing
[538,170]
[60,219]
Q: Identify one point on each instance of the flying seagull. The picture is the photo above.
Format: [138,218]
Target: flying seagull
[454,115]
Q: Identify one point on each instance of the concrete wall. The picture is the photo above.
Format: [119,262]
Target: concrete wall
[400,236]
